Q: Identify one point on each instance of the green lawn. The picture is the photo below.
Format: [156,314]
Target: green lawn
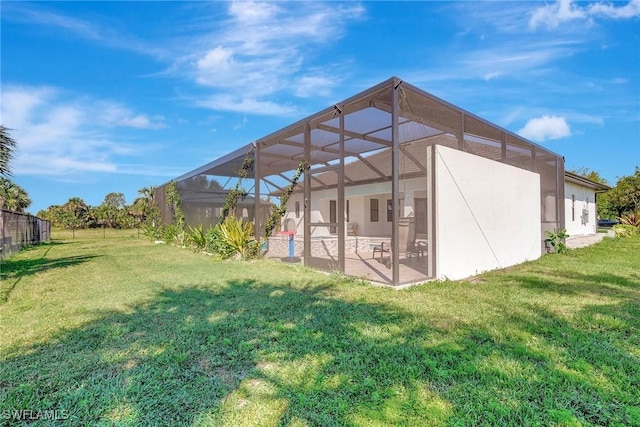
[121,331]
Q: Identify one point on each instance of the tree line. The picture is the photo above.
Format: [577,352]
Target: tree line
[113,212]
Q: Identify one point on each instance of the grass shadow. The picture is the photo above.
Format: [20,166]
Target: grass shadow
[574,283]
[13,270]
[266,353]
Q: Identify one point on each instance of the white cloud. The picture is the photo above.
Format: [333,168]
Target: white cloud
[508,60]
[314,85]
[546,127]
[229,102]
[552,15]
[241,124]
[150,170]
[54,165]
[630,10]
[259,52]
[60,133]
[252,12]
[262,51]
[141,121]
[492,75]
[114,114]
[102,34]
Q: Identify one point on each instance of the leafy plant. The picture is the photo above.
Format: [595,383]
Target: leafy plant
[632,218]
[217,244]
[197,238]
[238,192]
[278,211]
[169,233]
[151,231]
[174,202]
[625,230]
[238,235]
[557,241]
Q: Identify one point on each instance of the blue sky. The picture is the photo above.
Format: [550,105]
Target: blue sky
[115,96]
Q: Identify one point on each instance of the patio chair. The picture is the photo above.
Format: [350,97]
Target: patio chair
[407,245]
[352,229]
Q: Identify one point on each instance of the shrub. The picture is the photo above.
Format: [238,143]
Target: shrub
[557,241]
[217,244]
[152,232]
[625,230]
[237,237]
[169,233]
[197,238]
[632,218]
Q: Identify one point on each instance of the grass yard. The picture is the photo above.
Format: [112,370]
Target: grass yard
[121,331]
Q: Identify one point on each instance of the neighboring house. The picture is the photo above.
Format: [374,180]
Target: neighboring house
[580,204]
[202,207]
[401,187]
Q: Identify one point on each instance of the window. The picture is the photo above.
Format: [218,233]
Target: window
[333,218]
[573,207]
[421,215]
[373,210]
[390,208]
[297,209]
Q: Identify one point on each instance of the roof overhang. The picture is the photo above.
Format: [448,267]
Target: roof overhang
[584,182]
[227,165]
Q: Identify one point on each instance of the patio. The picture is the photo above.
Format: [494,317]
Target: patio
[366,266]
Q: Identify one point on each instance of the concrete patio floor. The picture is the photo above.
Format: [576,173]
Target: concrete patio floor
[412,270]
[364,265]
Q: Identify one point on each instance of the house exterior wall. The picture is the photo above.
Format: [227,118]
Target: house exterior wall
[487,214]
[359,198]
[290,214]
[580,210]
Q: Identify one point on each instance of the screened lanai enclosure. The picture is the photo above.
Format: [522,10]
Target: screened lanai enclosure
[398,187]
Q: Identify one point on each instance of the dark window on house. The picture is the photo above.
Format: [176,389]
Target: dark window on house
[390,208]
[421,215]
[573,207]
[333,217]
[373,210]
[297,209]
[347,211]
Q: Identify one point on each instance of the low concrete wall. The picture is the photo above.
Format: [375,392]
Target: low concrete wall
[325,247]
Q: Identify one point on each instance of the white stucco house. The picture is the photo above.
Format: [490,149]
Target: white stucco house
[580,194]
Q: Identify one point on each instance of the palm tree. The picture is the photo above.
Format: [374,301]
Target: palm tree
[75,214]
[7,147]
[145,207]
[13,196]
[147,192]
